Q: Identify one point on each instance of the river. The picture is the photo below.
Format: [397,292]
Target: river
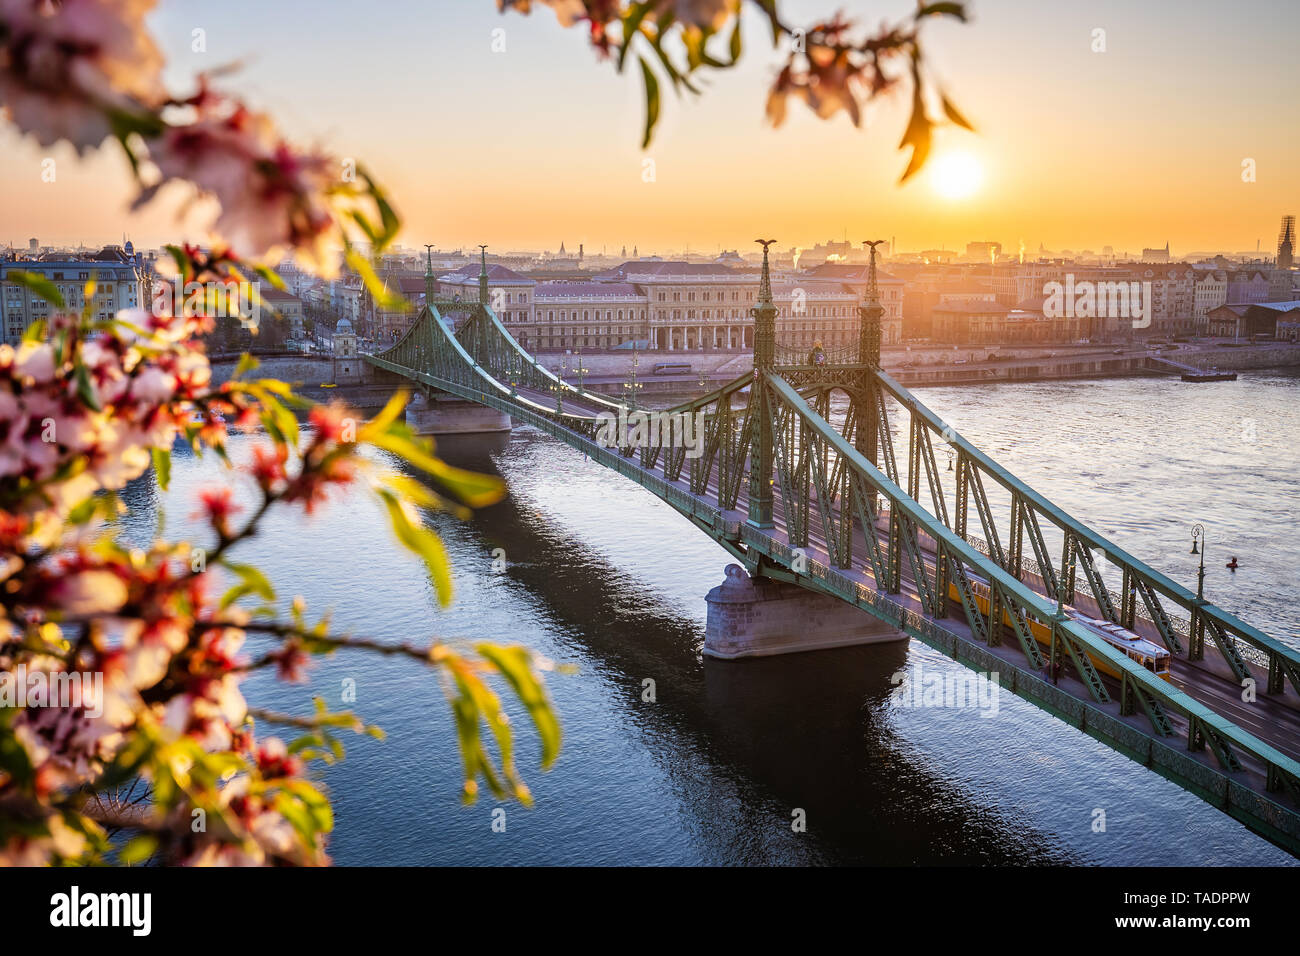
[602,576]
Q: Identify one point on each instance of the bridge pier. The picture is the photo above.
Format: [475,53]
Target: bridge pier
[757,617]
[439,414]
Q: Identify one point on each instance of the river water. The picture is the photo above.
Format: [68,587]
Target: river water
[602,576]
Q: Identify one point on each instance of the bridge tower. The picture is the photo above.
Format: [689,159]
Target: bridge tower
[481,338]
[760,456]
[870,313]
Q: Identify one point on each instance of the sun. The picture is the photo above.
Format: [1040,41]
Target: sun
[956,175]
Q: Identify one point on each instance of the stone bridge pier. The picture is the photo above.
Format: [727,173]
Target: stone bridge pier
[436,413]
[757,617]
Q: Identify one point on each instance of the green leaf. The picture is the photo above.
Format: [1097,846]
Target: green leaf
[384,300]
[471,750]
[86,391]
[314,800]
[270,275]
[917,135]
[391,411]
[254,581]
[486,703]
[651,101]
[516,665]
[246,364]
[162,464]
[298,815]
[954,114]
[942,9]
[38,285]
[631,24]
[424,543]
[388,217]
[473,488]
[138,849]
[88,297]
[83,512]
[284,419]
[734,47]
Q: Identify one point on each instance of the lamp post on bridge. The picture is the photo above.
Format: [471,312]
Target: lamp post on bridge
[1196,639]
[1198,531]
[632,386]
[559,394]
[581,372]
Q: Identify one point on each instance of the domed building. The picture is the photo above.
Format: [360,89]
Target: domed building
[347,365]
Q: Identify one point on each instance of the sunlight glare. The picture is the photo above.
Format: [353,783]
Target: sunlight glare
[956,175]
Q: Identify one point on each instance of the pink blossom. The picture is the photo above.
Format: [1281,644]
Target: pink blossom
[63,65]
[89,592]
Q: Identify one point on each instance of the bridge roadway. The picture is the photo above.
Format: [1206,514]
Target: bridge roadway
[1274,719]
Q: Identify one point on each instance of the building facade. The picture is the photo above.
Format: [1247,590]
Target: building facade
[678,306]
[118,272]
[287,307]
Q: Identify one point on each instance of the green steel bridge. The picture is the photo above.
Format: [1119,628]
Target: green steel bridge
[803,491]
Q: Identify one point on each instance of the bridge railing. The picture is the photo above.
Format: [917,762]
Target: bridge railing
[1265,651]
[1182,626]
[1277,765]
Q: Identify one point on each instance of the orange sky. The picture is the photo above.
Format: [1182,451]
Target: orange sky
[539,144]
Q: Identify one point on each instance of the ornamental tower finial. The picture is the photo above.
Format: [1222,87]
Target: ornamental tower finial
[871,313]
[765,286]
[764,317]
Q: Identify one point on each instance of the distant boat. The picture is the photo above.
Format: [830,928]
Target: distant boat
[200,417]
[1210,375]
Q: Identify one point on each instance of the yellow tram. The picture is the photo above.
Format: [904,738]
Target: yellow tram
[1154,657]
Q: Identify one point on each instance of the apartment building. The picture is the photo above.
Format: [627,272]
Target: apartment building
[118,272]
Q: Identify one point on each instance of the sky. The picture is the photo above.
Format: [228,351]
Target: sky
[540,144]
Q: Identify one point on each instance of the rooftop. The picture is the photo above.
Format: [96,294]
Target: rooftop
[588,290]
[972,307]
[666,270]
[849,271]
[495,271]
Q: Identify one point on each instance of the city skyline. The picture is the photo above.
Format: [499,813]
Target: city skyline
[537,144]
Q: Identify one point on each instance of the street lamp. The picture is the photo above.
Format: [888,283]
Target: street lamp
[581,372]
[630,387]
[558,388]
[1198,531]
